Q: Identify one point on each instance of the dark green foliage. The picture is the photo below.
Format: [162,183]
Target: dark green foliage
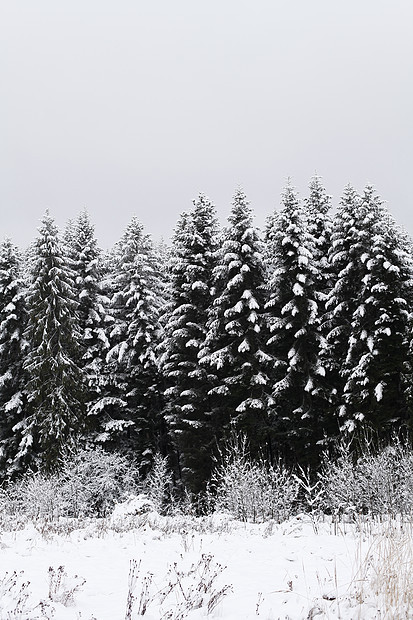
[13,348]
[349,243]
[187,402]
[55,409]
[85,260]
[129,411]
[234,347]
[374,366]
[294,341]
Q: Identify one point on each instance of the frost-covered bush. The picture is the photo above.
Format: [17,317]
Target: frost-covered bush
[340,492]
[94,480]
[376,482]
[158,483]
[253,491]
[35,496]
[88,483]
[382,480]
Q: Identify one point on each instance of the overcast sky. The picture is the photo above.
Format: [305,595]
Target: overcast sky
[133,107]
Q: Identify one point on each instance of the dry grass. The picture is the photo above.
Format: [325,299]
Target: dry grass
[387,571]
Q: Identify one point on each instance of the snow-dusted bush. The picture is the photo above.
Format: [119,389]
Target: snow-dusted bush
[253,491]
[94,480]
[340,492]
[385,481]
[34,496]
[88,483]
[376,482]
[158,483]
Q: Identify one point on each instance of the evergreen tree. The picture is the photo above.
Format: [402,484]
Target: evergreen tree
[234,345]
[295,339]
[377,345]
[187,406]
[55,410]
[130,411]
[13,347]
[92,311]
[349,242]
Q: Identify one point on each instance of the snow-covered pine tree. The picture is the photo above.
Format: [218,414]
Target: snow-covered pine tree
[187,403]
[294,342]
[130,409]
[234,346]
[348,244]
[106,422]
[54,389]
[319,226]
[93,320]
[377,346]
[406,243]
[13,347]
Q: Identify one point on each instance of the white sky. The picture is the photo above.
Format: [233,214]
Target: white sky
[134,106]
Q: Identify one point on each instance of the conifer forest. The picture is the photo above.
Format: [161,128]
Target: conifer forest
[291,337]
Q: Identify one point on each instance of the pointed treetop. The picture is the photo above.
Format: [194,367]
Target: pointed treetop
[318,201]
[289,196]
[241,209]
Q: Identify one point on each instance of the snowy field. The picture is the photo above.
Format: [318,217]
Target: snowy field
[126,567]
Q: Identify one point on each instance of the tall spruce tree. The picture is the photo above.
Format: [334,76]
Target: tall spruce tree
[317,207]
[348,244]
[377,345]
[55,409]
[295,340]
[187,403]
[130,410]
[234,348]
[13,348]
[93,318]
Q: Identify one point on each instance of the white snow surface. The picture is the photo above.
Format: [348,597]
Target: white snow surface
[378,391]
[295,570]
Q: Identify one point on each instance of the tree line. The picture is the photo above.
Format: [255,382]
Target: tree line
[292,337]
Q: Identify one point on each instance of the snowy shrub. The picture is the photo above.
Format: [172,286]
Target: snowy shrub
[339,482]
[158,483]
[94,480]
[253,491]
[35,496]
[379,482]
[88,483]
[376,482]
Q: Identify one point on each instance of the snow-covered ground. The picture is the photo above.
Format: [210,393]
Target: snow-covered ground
[173,568]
